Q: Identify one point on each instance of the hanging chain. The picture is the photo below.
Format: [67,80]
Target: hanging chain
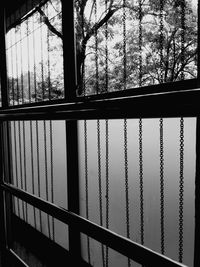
[162,188]
[126,182]
[32,169]
[124,44]
[16,165]
[96,50]
[38,171]
[161,40]
[140,43]
[86,183]
[182,38]
[52,176]
[24,157]
[141,181]
[106,49]
[181,190]
[107,184]
[16,58]
[20,168]
[42,59]
[28,60]
[34,56]
[21,61]
[48,56]
[100,182]
[46,174]
[11,47]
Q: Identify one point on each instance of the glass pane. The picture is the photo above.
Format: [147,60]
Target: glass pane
[137,178]
[35,56]
[27,252]
[39,166]
[100,255]
[129,44]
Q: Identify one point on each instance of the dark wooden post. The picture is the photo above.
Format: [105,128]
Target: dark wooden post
[71,126]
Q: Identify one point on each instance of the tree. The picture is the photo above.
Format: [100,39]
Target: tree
[121,44]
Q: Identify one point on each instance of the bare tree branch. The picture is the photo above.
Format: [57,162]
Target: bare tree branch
[48,24]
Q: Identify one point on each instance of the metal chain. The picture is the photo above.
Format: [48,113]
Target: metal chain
[28,60]
[16,58]
[106,49]
[96,50]
[126,182]
[181,190]
[32,170]
[183,27]
[21,56]
[86,183]
[42,60]
[161,40]
[141,181]
[20,168]
[52,176]
[100,182]
[38,171]
[34,56]
[46,174]
[140,43]
[16,165]
[24,157]
[48,56]
[162,188]
[107,185]
[124,45]
[13,91]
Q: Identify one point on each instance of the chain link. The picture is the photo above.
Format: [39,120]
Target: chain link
[107,185]
[106,49]
[96,50]
[140,43]
[182,38]
[86,183]
[124,44]
[16,165]
[181,190]
[100,182]
[162,187]
[46,174]
[32,168]
[161,40]
[38,170]
[126,181]
[141,181]
[52,176]
[20,168]
[34,56]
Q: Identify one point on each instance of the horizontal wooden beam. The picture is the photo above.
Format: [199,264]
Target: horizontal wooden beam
[127,247]
[171,104]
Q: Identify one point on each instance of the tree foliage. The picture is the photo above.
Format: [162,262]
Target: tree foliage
[119,45]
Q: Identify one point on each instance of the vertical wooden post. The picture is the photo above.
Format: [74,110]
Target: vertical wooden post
[197,197]
[71,126]
[73,185]
[69,50]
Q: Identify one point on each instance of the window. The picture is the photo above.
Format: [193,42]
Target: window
[99,133]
